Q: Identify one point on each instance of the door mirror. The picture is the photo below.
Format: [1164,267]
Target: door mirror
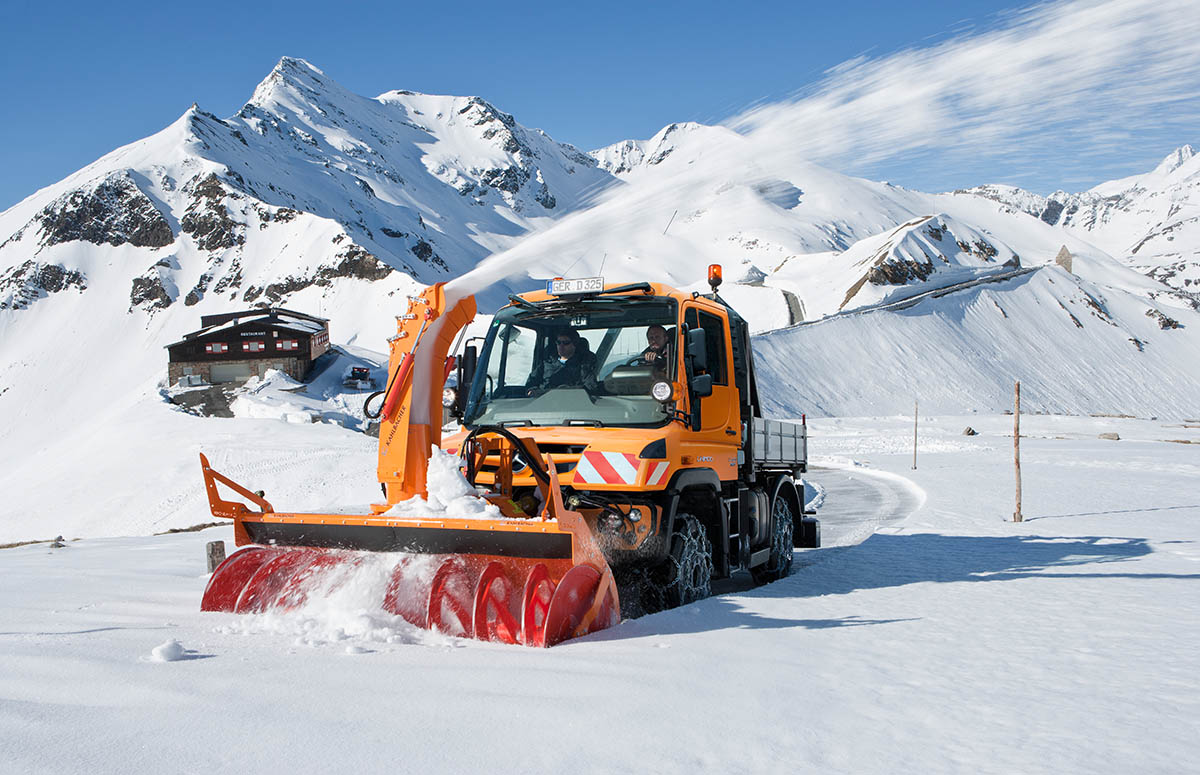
[466,374]
[702,385]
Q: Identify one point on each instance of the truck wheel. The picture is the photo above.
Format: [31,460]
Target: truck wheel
[689,568]
[641,589]
[780,563]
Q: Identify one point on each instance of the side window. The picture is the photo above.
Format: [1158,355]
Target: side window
[715,338]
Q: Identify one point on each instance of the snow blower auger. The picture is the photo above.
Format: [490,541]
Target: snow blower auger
[520,579]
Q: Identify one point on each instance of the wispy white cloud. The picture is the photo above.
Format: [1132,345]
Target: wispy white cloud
[1057,84]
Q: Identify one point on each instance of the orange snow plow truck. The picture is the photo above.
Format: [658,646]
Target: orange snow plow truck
[614,429]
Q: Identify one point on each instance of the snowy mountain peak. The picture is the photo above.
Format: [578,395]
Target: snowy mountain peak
[1174,160]
[289,73]
[629,155]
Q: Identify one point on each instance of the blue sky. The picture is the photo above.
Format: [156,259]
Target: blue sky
[81,79]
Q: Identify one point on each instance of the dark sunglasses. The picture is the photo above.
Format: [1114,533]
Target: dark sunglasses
[566,341]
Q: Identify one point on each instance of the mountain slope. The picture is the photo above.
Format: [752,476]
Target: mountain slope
[1150,221]
[1077,347]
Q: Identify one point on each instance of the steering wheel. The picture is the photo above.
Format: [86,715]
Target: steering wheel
[639,360]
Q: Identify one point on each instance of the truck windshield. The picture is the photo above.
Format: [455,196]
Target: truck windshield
[587,362]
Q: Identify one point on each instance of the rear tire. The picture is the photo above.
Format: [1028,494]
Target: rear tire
[780,564]
[689,567]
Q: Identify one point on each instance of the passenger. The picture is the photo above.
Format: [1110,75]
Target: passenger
[572,365]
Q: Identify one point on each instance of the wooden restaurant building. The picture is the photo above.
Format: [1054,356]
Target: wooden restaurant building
[234,346]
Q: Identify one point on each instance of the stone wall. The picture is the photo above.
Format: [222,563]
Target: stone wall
[292,366]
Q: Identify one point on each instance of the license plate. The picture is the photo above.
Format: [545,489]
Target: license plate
[575,286]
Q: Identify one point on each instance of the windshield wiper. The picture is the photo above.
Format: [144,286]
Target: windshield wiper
[593,423]
[644,287]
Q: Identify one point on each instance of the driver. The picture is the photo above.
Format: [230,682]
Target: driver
[572,365]
[658,351]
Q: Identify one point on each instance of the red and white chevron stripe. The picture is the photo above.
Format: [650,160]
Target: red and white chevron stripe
[606,468]
[657,473]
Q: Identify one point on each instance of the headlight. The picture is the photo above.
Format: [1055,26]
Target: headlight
[449,395]
[661,391]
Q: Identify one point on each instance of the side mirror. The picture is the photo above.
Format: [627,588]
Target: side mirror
[466,375]
[701,385]
[697,349]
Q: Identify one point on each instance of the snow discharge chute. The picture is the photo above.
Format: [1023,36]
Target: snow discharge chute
[505,575]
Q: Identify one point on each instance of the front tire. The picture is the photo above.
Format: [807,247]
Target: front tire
[689,567]
[780,564]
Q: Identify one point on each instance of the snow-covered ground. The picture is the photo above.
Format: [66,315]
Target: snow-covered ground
[947,640]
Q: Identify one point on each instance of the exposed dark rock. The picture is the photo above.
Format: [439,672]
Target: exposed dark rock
[197,293]
[394,234]
[424,251]
[545,198]
[354,262]
[1097,308]
[1163,321]
[232,278]
[275,292]
[969,431]
[207,220]
[16,236]
[1053,211]
[1074,319]
[899,272]
[979,249]
[149,291]
[21,285]
[508,179]
[111,212]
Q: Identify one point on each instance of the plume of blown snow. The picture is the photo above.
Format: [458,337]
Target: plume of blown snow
[1068,81]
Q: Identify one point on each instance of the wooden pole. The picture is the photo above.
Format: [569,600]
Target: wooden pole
[914,435]
[1017,517]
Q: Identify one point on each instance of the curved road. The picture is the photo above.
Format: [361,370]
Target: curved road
[851,504]
[856,502]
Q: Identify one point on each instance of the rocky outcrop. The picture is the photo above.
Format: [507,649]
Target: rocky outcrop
[112,211]
[22,285]
[153,289]
[207,219]
[1164,322]
[352,262]
[424,251]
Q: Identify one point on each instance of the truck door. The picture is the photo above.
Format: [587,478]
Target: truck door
[715,410]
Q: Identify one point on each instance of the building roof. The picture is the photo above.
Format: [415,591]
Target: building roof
[274,316]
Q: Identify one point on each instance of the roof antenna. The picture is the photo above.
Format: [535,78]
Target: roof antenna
[602,260]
